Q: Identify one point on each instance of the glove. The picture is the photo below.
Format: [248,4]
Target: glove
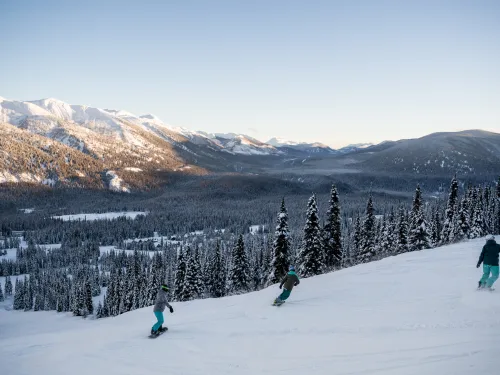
[281,286]
[478,266]
[171,309]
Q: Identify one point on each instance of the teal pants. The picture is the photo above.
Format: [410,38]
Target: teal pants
[284,295]
[159,316]
[486,279]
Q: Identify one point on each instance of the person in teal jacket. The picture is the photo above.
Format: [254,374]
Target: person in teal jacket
[289,281]
[489,258]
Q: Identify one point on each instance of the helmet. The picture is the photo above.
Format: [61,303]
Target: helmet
[164,287]
[490,237]
[291,268]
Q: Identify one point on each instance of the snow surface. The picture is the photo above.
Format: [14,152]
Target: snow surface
[103,216]
[414,314]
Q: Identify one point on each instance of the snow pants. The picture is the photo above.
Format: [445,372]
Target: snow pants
[284,295]
[486,279]
[159,316]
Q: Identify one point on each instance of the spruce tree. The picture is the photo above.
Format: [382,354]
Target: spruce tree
[193,283]
[239,278]
[88,305]
[497,215]
[476,222]
[419,236]
[402,230]
[180,275]
[311,257]
[451,209]
[19,295]
[281,248]
[332,232]
[2,298]
[461,222]
[217,274]
[367,251]
[357,241]
[436,229]
[8,287]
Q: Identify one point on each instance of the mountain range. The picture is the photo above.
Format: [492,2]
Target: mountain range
[51,142]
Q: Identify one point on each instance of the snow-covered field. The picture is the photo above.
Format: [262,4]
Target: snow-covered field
[413,314]
[103,216]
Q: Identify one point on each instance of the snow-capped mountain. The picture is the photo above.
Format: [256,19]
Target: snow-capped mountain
[354,147]
[311,148]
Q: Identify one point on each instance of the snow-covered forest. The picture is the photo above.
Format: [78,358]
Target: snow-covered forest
[106,268]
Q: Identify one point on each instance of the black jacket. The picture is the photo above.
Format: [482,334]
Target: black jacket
[489,255]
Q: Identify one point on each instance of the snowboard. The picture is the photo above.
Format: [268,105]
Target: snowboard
[278,303]
[162,331]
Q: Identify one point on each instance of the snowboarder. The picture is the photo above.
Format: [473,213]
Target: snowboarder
[289,281]
[489,258]
[160,304]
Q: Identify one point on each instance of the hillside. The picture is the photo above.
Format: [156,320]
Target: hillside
[413,314]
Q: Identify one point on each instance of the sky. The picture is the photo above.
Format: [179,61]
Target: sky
[336,72]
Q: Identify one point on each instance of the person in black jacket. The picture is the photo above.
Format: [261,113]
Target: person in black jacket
[489,258]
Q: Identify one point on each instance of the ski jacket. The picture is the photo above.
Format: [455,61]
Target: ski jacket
[489,255]
[290,280]
[161,301]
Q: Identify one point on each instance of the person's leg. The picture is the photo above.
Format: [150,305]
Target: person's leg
[159,316]
[284,295]
[494,276]
[486,274]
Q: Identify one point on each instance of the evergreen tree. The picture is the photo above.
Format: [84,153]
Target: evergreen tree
[281,248]
[2,298]
[402,244]
[461,222]
[193,283]
[332,232]
[180,275]
[239,273]
[451,209]
[8,287]
[476,223]
[357,240]
[367,252]
[436,228]
[497,215]
[19,295]
[311,257]
[217,274]
[100,311]
[88,305]
[419,236]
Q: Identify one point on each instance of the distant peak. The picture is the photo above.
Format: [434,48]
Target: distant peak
[150,116]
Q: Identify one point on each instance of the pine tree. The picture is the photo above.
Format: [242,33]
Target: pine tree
[2,298]
[217,274]
[419,236]
[451,209]
[367,251]
[180,274]
[239,279]
[311,257]
[332,232]
[19,295]
[193,283]
[497,215]
[357,240]
[8,287]
[461,222]
[476,222]
[88,305]
[402,230]
[436,228]
[100,311]
[281,248]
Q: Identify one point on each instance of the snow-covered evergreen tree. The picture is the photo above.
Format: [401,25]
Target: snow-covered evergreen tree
[367,252]
[402,230]
[193,282]
[180,274]
[88,305]
[332,236]
[239,278]
[19,295]
[218,274]
[100,311]
[281,248]
[419,235]
[451,209]
[311,257]
[436,228]
[2,298]
[476,222]
[497,214]
[8,287]
[461,222]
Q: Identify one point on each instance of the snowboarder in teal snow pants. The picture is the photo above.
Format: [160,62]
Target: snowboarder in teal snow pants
[289,281]
[489,258]
[160,304]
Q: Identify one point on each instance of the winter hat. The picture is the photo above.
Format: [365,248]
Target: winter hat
[291,268]
[164,287]
[490,237]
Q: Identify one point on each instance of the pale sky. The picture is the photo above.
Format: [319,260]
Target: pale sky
[337,72]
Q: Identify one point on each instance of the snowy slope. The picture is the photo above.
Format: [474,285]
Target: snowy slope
[413,314]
